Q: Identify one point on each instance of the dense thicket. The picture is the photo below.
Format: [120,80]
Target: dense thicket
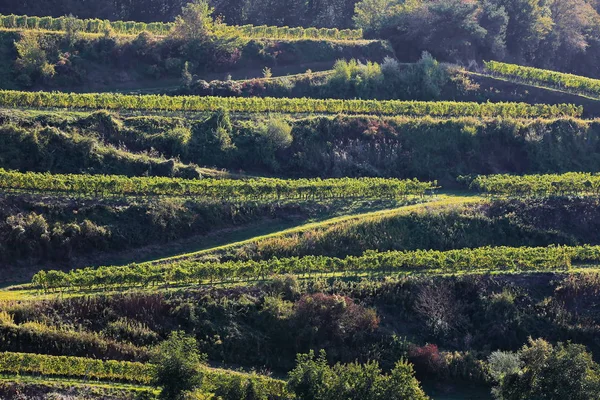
[350,319]
[58,229]
[318,146]
[33,59]
[540,222]
[538,371]
[237,12]
[52,150]
[561,34]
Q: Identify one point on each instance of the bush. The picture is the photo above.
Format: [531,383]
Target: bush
[543,371]
[426,78]
[178,366]
[278,133]
[314,379]
[32,59]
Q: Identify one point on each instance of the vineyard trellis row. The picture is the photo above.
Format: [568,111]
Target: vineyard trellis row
[117,101]
[568,184]
[163,28]
[559,80]
[198,272]
[122,371]
[214,189]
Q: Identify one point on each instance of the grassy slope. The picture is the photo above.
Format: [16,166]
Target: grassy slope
[441,201]
[228,239]
[330,212]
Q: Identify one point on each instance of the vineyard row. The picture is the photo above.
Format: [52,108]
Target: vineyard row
[213,189]
[196,272]
[118,101]
[568,82]
[163,28]
[571,183]
[121,371]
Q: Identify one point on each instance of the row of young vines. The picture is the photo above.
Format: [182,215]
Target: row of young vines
[214,189]
[124,371]
[163,28]
[568,82]
[9,98]
[75,367]
[371,262]
[568,184]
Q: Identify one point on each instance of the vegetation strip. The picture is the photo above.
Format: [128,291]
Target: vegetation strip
[572,183]
[559,80]
[251,189]
[187,272]
[115,371]
[61,24]
[17,99]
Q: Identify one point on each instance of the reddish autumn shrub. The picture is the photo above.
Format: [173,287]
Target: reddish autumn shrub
[321,317]
[427,359]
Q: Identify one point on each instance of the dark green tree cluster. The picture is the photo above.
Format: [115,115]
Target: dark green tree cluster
[559,34]
[314,379]
[543,371]
[329,14]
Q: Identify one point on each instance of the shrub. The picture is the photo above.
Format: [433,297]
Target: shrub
[278,133]
[543,371]
[178,366]
[314,379]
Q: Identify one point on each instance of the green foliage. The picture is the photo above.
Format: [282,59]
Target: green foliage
[32,61]
[426,78]
[314,379]
[223,383]
[564,371]
[502,364]
[567,82]
[76,367]
[258,188]
[53,150]
[488,259]
[569,184]
[178,366]
[260,105]
[370,15]
[351,79]
[73,28]
[195,22]
[274,135]
[196,17]
[278,133]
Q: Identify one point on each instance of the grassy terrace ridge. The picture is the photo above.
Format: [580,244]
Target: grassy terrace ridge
[562,81]
[439,201]
[16,99]
[163,28]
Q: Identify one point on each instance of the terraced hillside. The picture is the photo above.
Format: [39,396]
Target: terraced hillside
[370,229]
